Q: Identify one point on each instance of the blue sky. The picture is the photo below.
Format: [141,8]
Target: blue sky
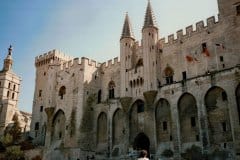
[89,28]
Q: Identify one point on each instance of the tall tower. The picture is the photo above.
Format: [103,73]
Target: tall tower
[126,43]
[228,8]
[149,41]
[9,90]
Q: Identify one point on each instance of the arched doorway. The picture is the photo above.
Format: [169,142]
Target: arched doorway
[141,141]
[58,126]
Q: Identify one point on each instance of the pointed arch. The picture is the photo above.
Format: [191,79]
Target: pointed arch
[188,118]
[163,121]
[102,128]
[218,116]
[135,114]
[238,101]
[58,125]
[118,128]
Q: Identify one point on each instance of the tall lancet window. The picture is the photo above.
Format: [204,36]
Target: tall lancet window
[111,87]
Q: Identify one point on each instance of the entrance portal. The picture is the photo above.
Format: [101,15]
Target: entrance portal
[141,141]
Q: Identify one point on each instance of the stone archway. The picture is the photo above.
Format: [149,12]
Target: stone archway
[141,141]
[136,119]
[58,125]
[163,121]
[216,102]
[188,118]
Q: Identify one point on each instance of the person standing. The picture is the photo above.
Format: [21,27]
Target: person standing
[143,155]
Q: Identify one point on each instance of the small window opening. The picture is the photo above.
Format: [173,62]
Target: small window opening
[99,96]
[223,65]
[60,135]
[224,96]
[204,47]
[12,95]
[41,108]
[184,75]
[224,145]
[140,107]
[224,126]
[193,122]
[62,92]
[170,138]
[164,125]
[238,10]
[9,85]
[40,93]
[36,126]
[221,58]
[44,73]
[197,137]
[14,87]
[8,93]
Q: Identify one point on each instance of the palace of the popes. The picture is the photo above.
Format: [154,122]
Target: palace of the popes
[159,94]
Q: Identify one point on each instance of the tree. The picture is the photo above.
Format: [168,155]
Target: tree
[15,130]
[14,153]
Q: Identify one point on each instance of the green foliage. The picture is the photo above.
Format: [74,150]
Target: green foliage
[15,130]
[7,140]
[193,153]
[167,153]
[14,153]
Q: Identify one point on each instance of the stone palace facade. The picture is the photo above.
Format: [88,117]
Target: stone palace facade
[161,94]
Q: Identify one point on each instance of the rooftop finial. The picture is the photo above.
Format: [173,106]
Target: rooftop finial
[127,29]
[150,20]
[10,50]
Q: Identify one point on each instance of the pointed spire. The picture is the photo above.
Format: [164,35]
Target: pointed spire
[127,29]
[150,20]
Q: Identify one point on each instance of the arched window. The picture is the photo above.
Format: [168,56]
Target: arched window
[111,87]
[137,82]
[131,84]
[169,75]
[134,83]
[62,92]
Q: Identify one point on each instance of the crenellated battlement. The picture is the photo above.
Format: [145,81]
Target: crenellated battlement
[50,57]
[190,31]
[111,63]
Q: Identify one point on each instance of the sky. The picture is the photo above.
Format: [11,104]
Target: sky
[83,28]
